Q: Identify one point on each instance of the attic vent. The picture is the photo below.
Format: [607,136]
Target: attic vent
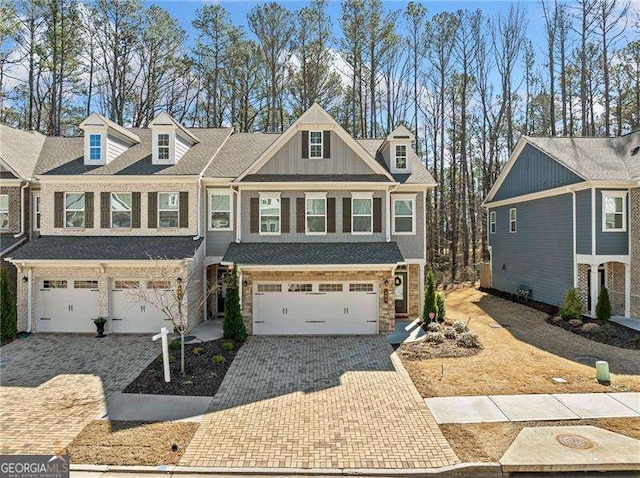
[401,137]
[635,150]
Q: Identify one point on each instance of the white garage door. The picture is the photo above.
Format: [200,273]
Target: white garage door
[67,305]
[132,313]
[315,308]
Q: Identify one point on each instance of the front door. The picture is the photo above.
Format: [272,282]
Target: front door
[400,282]
[221,277]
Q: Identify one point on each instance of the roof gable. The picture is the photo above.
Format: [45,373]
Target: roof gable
[19,150]
[165,119]
[95,120]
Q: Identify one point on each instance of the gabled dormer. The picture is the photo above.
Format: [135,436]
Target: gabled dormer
[170,140]
[104,140]
[400,141]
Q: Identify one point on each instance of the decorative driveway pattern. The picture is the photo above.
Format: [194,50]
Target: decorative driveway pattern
[318,402]
[52,385]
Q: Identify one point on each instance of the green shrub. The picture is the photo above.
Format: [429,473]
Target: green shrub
[607,331]
[433,327]
[174,344]
[218,359]
[197,350]
[469,340]
[435,337]
[8,324]
[441,306]
[460,327]
[572,307]
[228,346]
[603,307]
[233,326]
[450,332]
[429,297]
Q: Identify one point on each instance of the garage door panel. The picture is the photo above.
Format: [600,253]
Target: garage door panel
[67,305]
[134,306]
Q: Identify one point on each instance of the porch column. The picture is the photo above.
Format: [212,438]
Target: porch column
[594,288]
[627,290]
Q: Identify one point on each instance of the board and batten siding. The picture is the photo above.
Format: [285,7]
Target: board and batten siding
[539,256]
[583,222]
[288,160]
[532,172]
[412,246]
[610,243]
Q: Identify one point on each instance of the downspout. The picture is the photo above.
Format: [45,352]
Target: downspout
[236,191]
[575,257]
[22,209]
[199,220]
[388,211]
[29,300]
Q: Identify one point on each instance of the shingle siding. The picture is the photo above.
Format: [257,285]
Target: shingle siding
[540,254]
[532,172]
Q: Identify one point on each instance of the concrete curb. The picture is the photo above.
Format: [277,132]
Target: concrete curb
[461,470]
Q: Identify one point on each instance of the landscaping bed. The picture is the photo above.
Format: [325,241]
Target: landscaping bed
[204,374]
[437,344]
[103,442]
[602,331]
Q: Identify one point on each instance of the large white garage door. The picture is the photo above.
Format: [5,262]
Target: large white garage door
[315,308]
[67,305]
[134,306]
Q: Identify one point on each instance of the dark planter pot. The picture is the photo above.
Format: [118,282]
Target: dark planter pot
[100,329]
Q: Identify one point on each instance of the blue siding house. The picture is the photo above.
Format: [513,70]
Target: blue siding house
[565,213]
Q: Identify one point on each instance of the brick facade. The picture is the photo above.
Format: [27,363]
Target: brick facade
[386,309]
[583,287]
[15,211]
[616,286]
[415,290]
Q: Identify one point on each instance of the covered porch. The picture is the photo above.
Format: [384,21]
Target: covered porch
[612,272]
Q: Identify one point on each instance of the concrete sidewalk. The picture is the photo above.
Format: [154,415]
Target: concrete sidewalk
[520,408]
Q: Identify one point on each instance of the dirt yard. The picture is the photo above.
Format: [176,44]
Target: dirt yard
[521,354]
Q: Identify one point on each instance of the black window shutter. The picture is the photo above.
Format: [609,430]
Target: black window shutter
[184,209]
[105,210]
[58,209]
[346,214]
[88,210]
[254,215]
[305,144]
[331,214]
[135,210]
[152,210]
[300,215]
[326,141]
[286,215]
[377,214]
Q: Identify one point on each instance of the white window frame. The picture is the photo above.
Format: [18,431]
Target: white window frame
[513,221]
[492,222]
[166,147]
[92,148]
[311,156]
[220,192]
[5,211]
[84,210]
[358,195]
[614,194]
[130,211]
[406,156]
[37,211]
[315,196]
[403,197]
[269,196]
[160,226]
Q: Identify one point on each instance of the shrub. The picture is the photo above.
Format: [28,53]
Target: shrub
[218,359]
[433,327]
[607,331]
[460,327]
[197,351]
[450,332]
[469,340]
[228,346]
[603,307]
[440,306]
[8,324]
[590,327]
[572,307]
[435,337]
[174,345]
[575,322]
[429,297]
[171,358]
[233,326]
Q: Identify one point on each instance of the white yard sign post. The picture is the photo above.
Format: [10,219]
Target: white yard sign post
[164,332]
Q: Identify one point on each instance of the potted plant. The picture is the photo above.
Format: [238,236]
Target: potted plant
[100,323]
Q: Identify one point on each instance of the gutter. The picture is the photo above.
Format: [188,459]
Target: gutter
[22,209]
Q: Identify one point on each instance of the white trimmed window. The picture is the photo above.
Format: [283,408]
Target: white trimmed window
[404,214]
[163,146]
[362,213]
[37,212]
[316,213]
[492,222]
[315,144]
[120,210]
[168,209]
[95,147]
[4,211]
[74,210]
[400,156]
[513,220]
[614,211]
[270,213]
[220,212]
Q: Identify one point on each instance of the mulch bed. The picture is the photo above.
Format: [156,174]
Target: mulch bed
[203,377]
[424,350]
[546,308]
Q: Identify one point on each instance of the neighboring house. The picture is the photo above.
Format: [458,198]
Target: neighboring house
[565,213]
[327,232]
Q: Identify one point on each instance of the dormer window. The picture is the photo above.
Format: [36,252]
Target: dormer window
[401,156]
[170,140]
[163,146]
[315,144]
[95,147]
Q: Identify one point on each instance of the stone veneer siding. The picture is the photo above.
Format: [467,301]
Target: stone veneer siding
[386,318]
[414,290]
[635,252]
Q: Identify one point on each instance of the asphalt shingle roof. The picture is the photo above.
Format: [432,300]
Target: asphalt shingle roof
[316,253]
[419,173]
[20,149]
[238,153]
[108,248]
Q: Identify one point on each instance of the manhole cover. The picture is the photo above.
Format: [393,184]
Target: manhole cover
[591,361]
[574,441]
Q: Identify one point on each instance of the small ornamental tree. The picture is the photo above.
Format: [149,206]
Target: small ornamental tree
[8,326]
[233,326]
[441,306]
[572,307]
[429,297]
[603,307]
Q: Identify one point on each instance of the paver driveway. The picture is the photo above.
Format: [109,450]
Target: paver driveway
[51,386]
[318,402]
